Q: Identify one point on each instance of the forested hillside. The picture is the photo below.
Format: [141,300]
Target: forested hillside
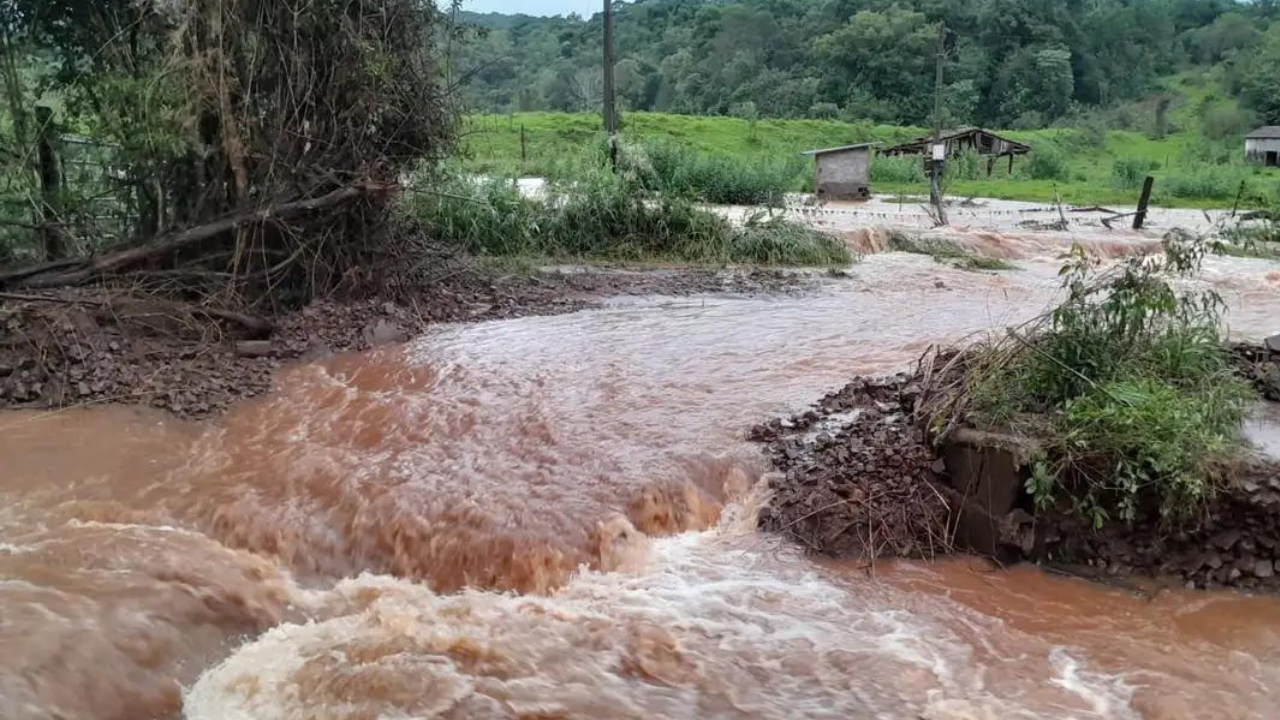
[1009,63]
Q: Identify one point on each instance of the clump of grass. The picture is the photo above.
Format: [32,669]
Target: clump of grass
[607,217]
[897,169]
[1258,236]
[668,168]
[773,240]
[946,253]
[1126,385]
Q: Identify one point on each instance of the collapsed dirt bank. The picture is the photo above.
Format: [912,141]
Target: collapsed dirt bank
[89,346]
[857,478]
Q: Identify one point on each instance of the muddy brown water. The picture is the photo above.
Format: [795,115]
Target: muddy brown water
[553,518]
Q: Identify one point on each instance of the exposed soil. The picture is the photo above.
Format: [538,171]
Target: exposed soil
[87,346]
[856,478]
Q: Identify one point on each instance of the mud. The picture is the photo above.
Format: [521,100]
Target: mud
[855,476]
[88,347]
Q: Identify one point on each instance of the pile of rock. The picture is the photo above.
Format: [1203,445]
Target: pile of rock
[1235,544]
[855,477]
[1260,363]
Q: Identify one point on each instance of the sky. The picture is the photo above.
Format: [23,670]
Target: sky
[586,8]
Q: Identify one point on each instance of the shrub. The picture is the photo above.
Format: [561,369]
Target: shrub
[1205,183]
[1047,163]
[1228,121]
[1126,384]
[897,169]
[669,168]
[1129,172]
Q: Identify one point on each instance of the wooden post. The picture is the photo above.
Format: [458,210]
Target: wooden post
[50,184]
[1140,217]
[936,164]
[524,148]
[610,108]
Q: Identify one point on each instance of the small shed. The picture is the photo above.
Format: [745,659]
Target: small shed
[842,173]
[1263,146]
[983,142]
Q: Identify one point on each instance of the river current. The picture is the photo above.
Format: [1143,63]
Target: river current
[552,517]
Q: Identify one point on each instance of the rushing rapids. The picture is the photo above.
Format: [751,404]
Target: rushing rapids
[553,518]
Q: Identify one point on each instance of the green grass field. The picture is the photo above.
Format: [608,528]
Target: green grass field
[1083,168]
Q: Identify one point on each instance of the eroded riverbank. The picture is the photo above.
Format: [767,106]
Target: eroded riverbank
[301,552]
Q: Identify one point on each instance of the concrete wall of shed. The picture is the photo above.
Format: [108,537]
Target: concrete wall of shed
[843,175]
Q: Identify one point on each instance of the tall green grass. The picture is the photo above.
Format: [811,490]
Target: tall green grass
[604,216]
[666,167]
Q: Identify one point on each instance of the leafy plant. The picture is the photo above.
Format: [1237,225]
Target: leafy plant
[1126,385]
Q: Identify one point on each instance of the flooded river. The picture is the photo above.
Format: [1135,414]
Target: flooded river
[553,518]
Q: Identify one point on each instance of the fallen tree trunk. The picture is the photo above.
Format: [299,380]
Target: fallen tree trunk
[167,245]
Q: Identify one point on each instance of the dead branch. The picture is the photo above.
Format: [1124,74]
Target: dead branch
[257,326]
[168,245]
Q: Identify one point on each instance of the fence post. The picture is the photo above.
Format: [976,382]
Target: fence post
[1141,216]
[524,152]
[50,184]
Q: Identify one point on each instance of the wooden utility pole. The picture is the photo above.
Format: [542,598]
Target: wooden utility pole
[936,163]
[610,108]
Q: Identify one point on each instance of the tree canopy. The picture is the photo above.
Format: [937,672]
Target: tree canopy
[1008,62]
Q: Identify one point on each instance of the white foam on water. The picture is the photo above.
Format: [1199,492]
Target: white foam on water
[717,624]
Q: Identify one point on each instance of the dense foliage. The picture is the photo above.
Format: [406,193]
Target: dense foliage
[1010,63]
[209,109]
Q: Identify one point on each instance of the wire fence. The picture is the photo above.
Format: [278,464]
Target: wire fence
[95,206]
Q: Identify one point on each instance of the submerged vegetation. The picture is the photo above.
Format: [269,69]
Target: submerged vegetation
[946,252]
[1126,385]
[607,216]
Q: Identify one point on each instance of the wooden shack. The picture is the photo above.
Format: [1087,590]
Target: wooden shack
[842,173]
[982,142]
[1263,146]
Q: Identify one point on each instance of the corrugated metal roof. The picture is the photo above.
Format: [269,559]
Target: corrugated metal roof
[842,148]
[1268,132]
